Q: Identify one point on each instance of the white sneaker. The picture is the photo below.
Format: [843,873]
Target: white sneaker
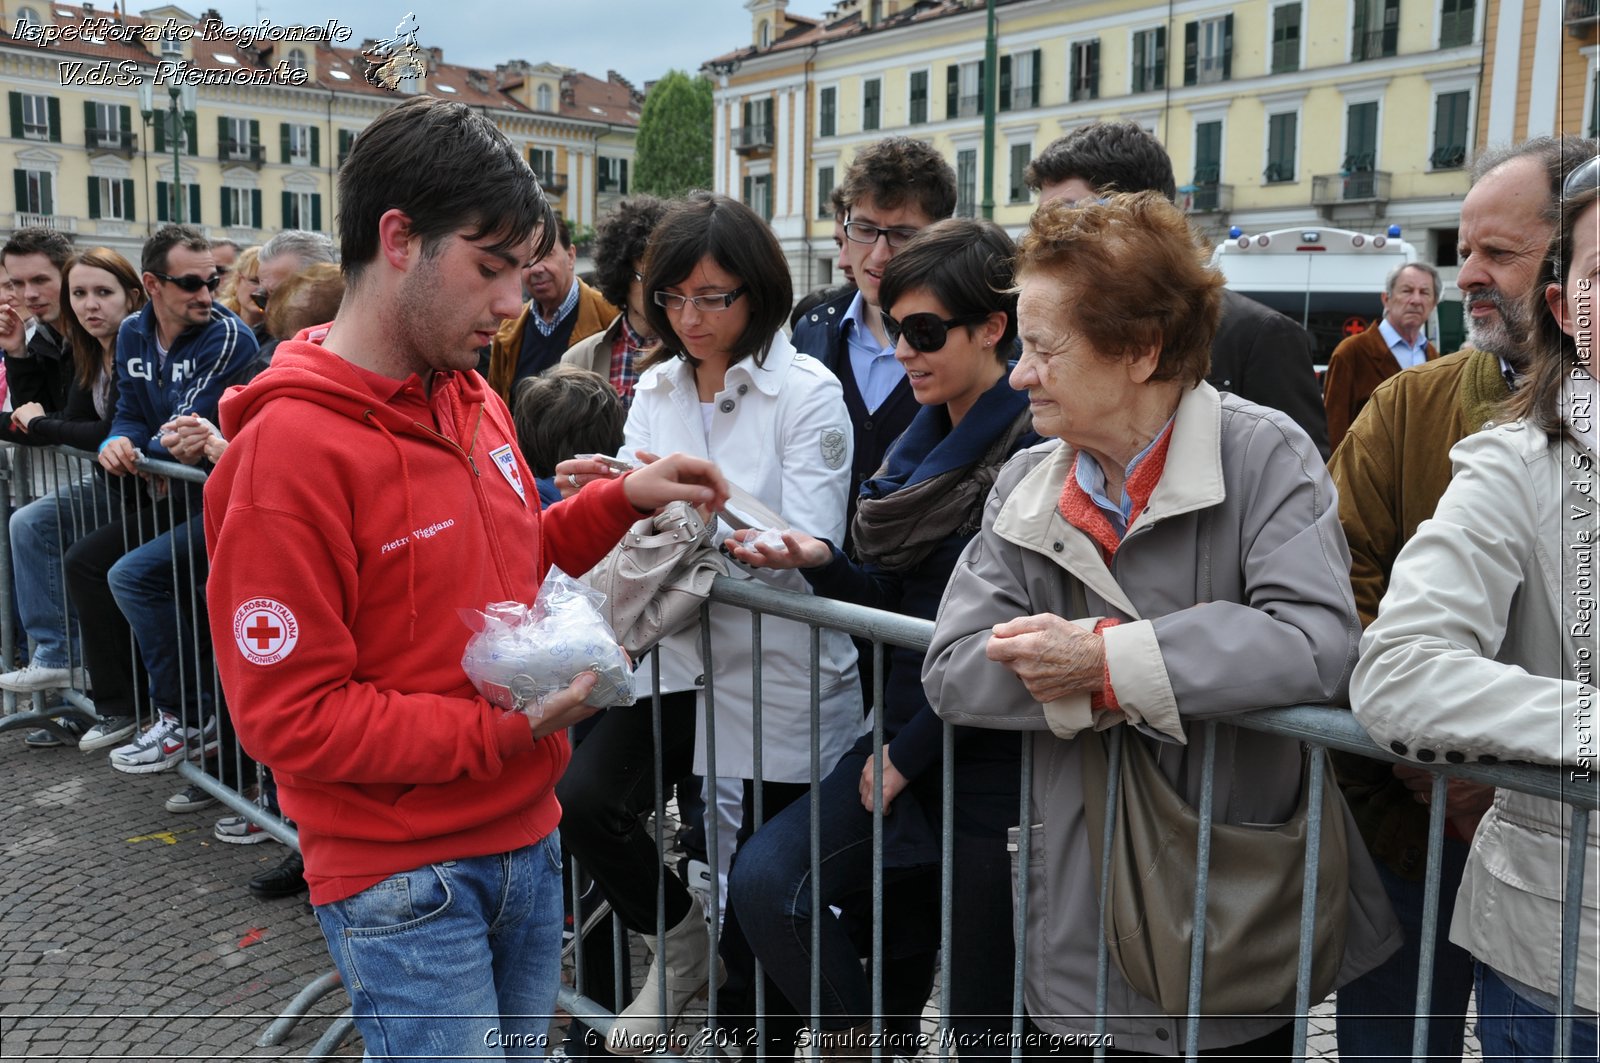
[164,744]
[108,732]
[37,677]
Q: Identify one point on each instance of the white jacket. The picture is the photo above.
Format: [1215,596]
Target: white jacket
[781,432]
[1484,647]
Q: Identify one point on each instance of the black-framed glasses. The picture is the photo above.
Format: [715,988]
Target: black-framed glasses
[1584,179]
[926,332]
[860,232]
[189,282]
[702,303]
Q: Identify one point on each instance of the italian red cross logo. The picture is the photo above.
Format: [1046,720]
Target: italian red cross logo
[265,630]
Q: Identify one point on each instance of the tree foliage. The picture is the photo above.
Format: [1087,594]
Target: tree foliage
[673,152]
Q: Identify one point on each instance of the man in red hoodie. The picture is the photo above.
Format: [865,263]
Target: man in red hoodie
[373,490]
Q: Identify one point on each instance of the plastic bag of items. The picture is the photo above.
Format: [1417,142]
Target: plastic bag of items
[521,654]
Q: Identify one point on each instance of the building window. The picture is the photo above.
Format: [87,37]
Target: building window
[302,210]
[613,175]
[108,125]
[1208,51]
[919,97]
[1150,59]
[1085,71]
[757,129]
[35,192]
[235,140]
[827,111]
[766,34]
[300,145]
[1449,131]
[967,183]
[179,203]
[1207,163]
[1361,150]
[1457,20]
[296,59]
[825,192]
[964,89]
[27,16]
[241,208]
[758,194]
[111,198]
[1285,38]
[1019,81]
[543,163]
[1376,32]
[187,133]
[31,117]
[1021,155]
[171,46]
[871,102]
[541,98]
[1281,134]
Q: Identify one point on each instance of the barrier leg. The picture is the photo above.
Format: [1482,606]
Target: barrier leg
[297,1008]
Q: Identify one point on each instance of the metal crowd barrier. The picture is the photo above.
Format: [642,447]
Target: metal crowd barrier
[38,472]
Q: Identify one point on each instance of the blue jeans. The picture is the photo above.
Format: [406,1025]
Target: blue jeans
[1377,1010]
[161,598]
[41,531]
[1512,1027]
[456,959]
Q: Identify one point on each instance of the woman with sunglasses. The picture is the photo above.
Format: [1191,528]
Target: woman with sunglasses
[947,298]
[1484,648]
[724,384]
[98,289]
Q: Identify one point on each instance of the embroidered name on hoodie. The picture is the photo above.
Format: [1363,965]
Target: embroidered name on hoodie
[419,533]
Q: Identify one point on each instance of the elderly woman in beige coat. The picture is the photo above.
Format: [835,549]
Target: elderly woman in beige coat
[1175,556]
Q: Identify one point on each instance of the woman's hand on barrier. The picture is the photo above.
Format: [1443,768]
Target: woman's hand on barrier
[893,782]
[118,456]
[1053,657]
[564,708]
[799,550]
[13,332]
[675,478]
[26,414]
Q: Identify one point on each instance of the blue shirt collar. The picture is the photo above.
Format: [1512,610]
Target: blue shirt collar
[561,312]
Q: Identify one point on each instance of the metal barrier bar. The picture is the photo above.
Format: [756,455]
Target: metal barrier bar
[1316,780]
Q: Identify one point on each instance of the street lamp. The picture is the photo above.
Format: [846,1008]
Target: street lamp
[181,101]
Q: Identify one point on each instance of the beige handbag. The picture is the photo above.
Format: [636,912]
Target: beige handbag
[1252,948]
[657,576]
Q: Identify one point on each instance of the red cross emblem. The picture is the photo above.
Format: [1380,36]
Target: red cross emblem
[265,630]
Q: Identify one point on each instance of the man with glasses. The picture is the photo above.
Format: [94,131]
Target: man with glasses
[892,190]
[1390,471]
[174,357]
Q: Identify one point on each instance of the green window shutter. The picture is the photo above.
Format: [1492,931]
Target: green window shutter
[163,209]
[288,211]
[227,209]
[255,208]
[1191,52]
[55,119]
[283,142]
[21,179]
[194,204]
[952,90]
[983,83]
[1038,76]
[16,115]
[316,146]
[47,194]
[127,200]
[94,197]
[191,132]
[1161,58]
[1227,47]
[255,134]
[161,131]
[1094,69]
[224,137]
[316,211]
[89,121]
[125,121]
[622,183]
[1004,103]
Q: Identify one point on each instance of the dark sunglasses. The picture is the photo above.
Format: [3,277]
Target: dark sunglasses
[190,283]
[260,297]
[925,332]
[1584,179]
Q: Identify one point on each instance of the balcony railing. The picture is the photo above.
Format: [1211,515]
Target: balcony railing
[1209,69]
[122,142]
[1021,97]
[1360,186]
[1374,44]
[553,183]
[753,137]
[60,223]
[1148,77]
[241,151]
[1086,88]
[1448,157]
[970,105]
[1208,198]
[1580,13]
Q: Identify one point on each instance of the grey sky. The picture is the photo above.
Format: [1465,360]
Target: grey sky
[640,39]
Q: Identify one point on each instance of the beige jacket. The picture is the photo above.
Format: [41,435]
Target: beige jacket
[1484,648]
[1239,570]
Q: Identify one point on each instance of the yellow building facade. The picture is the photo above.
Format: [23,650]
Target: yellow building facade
[264,128]
[1277,113]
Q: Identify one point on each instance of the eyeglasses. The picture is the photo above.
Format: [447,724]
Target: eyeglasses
[860,232]
[703,303]
[1584,179]
[260,297]
[925,332]
[190,283]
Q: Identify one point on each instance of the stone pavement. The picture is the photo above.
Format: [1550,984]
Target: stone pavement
[127,931]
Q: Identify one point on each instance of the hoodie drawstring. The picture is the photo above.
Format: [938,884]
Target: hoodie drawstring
[411,522]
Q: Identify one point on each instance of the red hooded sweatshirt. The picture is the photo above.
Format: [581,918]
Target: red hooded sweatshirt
[349,522]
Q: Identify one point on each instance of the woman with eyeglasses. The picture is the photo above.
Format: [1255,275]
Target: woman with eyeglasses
[98,289]
[949,302]
[724,384]
[1484,647]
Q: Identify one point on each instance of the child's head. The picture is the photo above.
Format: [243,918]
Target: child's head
[564,411]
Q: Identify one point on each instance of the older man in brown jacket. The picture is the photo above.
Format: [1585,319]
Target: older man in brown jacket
[1394,342]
